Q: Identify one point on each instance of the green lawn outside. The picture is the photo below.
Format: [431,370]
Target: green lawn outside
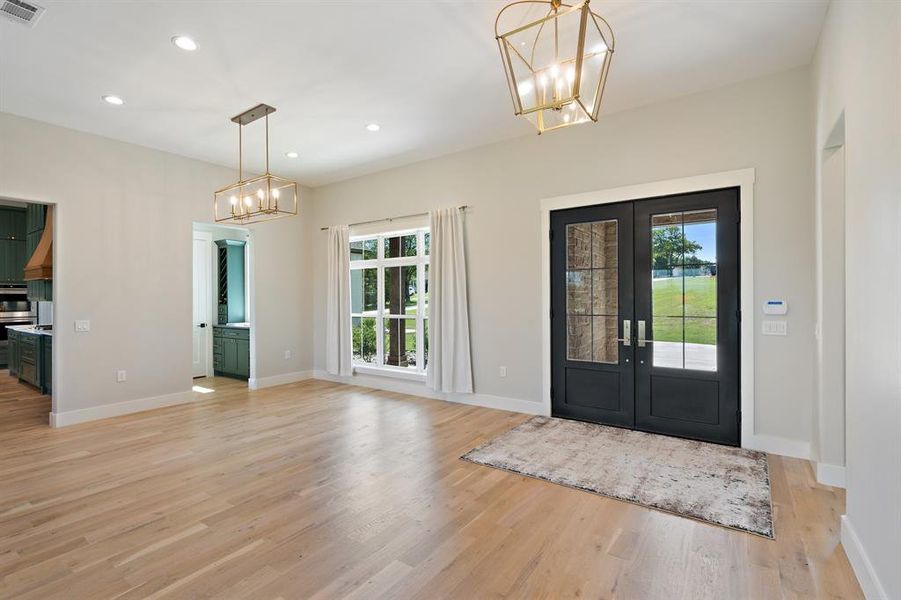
[699,301]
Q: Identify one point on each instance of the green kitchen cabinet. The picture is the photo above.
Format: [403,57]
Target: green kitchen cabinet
[35,218]
[46,369]
[12,245]
[231,352]
[231,281]
[31,359]
[12,353]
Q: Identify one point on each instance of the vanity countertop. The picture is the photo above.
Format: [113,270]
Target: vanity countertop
[234,326]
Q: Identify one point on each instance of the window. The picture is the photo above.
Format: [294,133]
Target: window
[389,289]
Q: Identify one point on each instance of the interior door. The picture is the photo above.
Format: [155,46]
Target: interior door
[687,306]
[644,315]
[202,303]
[592,310]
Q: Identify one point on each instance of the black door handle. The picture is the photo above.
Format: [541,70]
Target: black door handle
[203,324]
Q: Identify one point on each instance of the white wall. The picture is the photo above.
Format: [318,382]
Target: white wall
[765,124]
[123,260]
[858,72]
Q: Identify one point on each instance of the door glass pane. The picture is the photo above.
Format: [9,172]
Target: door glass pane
[606,346]
[363,291]
[400,290]
[700,343]
[400,342]
[592,292]
[668,346]
[683,297]
[578,338]
[578,292]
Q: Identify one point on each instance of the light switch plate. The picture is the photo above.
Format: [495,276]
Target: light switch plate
[82,326]
[771,327]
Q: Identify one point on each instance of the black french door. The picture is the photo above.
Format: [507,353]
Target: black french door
[645,315]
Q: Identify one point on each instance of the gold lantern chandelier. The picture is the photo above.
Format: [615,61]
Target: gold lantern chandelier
[260,198]
[557,65]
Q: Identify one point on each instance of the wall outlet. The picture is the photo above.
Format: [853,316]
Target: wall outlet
[82,326]
[287,354]
[121,376]
[771,327]
[502,371]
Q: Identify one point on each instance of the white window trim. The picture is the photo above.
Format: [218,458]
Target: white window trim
[380,263]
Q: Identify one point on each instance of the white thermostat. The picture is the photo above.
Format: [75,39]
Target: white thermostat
[775,307]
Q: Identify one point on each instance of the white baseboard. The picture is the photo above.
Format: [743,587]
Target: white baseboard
[777,445]
[105,411]
[416,388]
[860,562]
[264,382]
[833,475]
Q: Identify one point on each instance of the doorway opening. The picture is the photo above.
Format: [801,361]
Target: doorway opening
[829,409]
[26,310]
[223,336]
[645,318]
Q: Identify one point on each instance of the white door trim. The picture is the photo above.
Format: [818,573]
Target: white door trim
[207,238]
[742,179]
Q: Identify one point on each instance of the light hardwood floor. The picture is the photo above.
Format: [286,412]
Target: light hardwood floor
[318,490]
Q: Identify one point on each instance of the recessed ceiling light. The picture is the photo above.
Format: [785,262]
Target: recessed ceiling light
[113,100]
[185,43]
[373,127]
[291,154]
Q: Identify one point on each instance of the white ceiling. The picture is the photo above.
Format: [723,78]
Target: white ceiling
[427,71]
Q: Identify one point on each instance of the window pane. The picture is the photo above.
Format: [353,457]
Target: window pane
[425,341]
[425,284]
[363,291]
[364,341]
[427,242]
[667,346]
[404,245]
[364,250]
[400,290]
[400,342]
[700,344]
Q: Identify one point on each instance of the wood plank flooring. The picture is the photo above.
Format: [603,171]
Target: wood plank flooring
[319,490]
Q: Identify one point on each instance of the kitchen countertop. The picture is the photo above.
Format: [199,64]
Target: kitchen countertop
[30,329]
[234,326]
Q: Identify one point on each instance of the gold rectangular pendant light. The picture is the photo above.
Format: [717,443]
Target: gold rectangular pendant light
[557,64]
[260,198]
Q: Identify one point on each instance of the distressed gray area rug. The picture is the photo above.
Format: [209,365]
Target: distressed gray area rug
[718,484]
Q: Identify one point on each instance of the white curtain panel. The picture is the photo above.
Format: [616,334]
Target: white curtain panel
[338,351]
[450,364]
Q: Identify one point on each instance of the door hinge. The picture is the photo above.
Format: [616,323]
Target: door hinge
[550,234]
[552,392]
[738,314]
[738,415]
